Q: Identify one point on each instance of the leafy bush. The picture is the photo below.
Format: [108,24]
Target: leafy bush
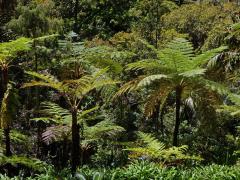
[142,170]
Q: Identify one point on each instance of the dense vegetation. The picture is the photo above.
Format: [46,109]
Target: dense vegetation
[127,89]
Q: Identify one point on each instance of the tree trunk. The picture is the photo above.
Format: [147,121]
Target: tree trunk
[7,141]
[177,120]
[75,141]
[7,6]
[161,122]
[7,128]
[76,9]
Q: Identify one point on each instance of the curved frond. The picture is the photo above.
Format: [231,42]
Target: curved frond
[149,79]
[10,49]
[208,55]
[46,80]
[148,64]
[158,97]
[129,86]
[193,73]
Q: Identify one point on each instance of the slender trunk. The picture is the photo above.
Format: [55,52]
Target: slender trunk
[75,141]
[76,16]
[161,122]
[37,104]
[7,141]
[7,128]
[177,120]
[64,152]
[156,118]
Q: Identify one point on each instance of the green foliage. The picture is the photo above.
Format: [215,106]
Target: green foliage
[10,49]
[178,66]
[146,16]
[202,22]
[31,163]
[35,19]
[153,149]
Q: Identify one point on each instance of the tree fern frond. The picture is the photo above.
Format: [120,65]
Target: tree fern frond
[16,136]
[148,64]
[148,45]
[129,86]
[102,129]
[206,56]
[149,79]
[156,98]
[151,142]
[182,45]
[44,77]
[214,86]
[46,80]
[83,114]
[56,133]
[193,73]
[10,49]
[32,163]
[235,98]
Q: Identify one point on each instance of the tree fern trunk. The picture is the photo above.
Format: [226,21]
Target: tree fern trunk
[75,141]
[7,128]
[7,141]
[76,9]
[177,120]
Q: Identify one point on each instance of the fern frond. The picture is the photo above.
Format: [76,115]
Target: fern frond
[214,86]
[10,49]
[193,73]
[148,64]
[46,80]
[149,79]
[182,45]
[156,98]
[56,133]
[32,163]
[151,142]
[102,129]
[177,57]
[129,86]
[206,56]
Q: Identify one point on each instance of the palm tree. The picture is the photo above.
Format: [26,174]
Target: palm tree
[177,70]
[73,91]
[8,51]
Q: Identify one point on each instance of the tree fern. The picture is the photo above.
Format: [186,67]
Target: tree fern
[177,69]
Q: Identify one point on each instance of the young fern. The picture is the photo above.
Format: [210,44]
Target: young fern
[152,149]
